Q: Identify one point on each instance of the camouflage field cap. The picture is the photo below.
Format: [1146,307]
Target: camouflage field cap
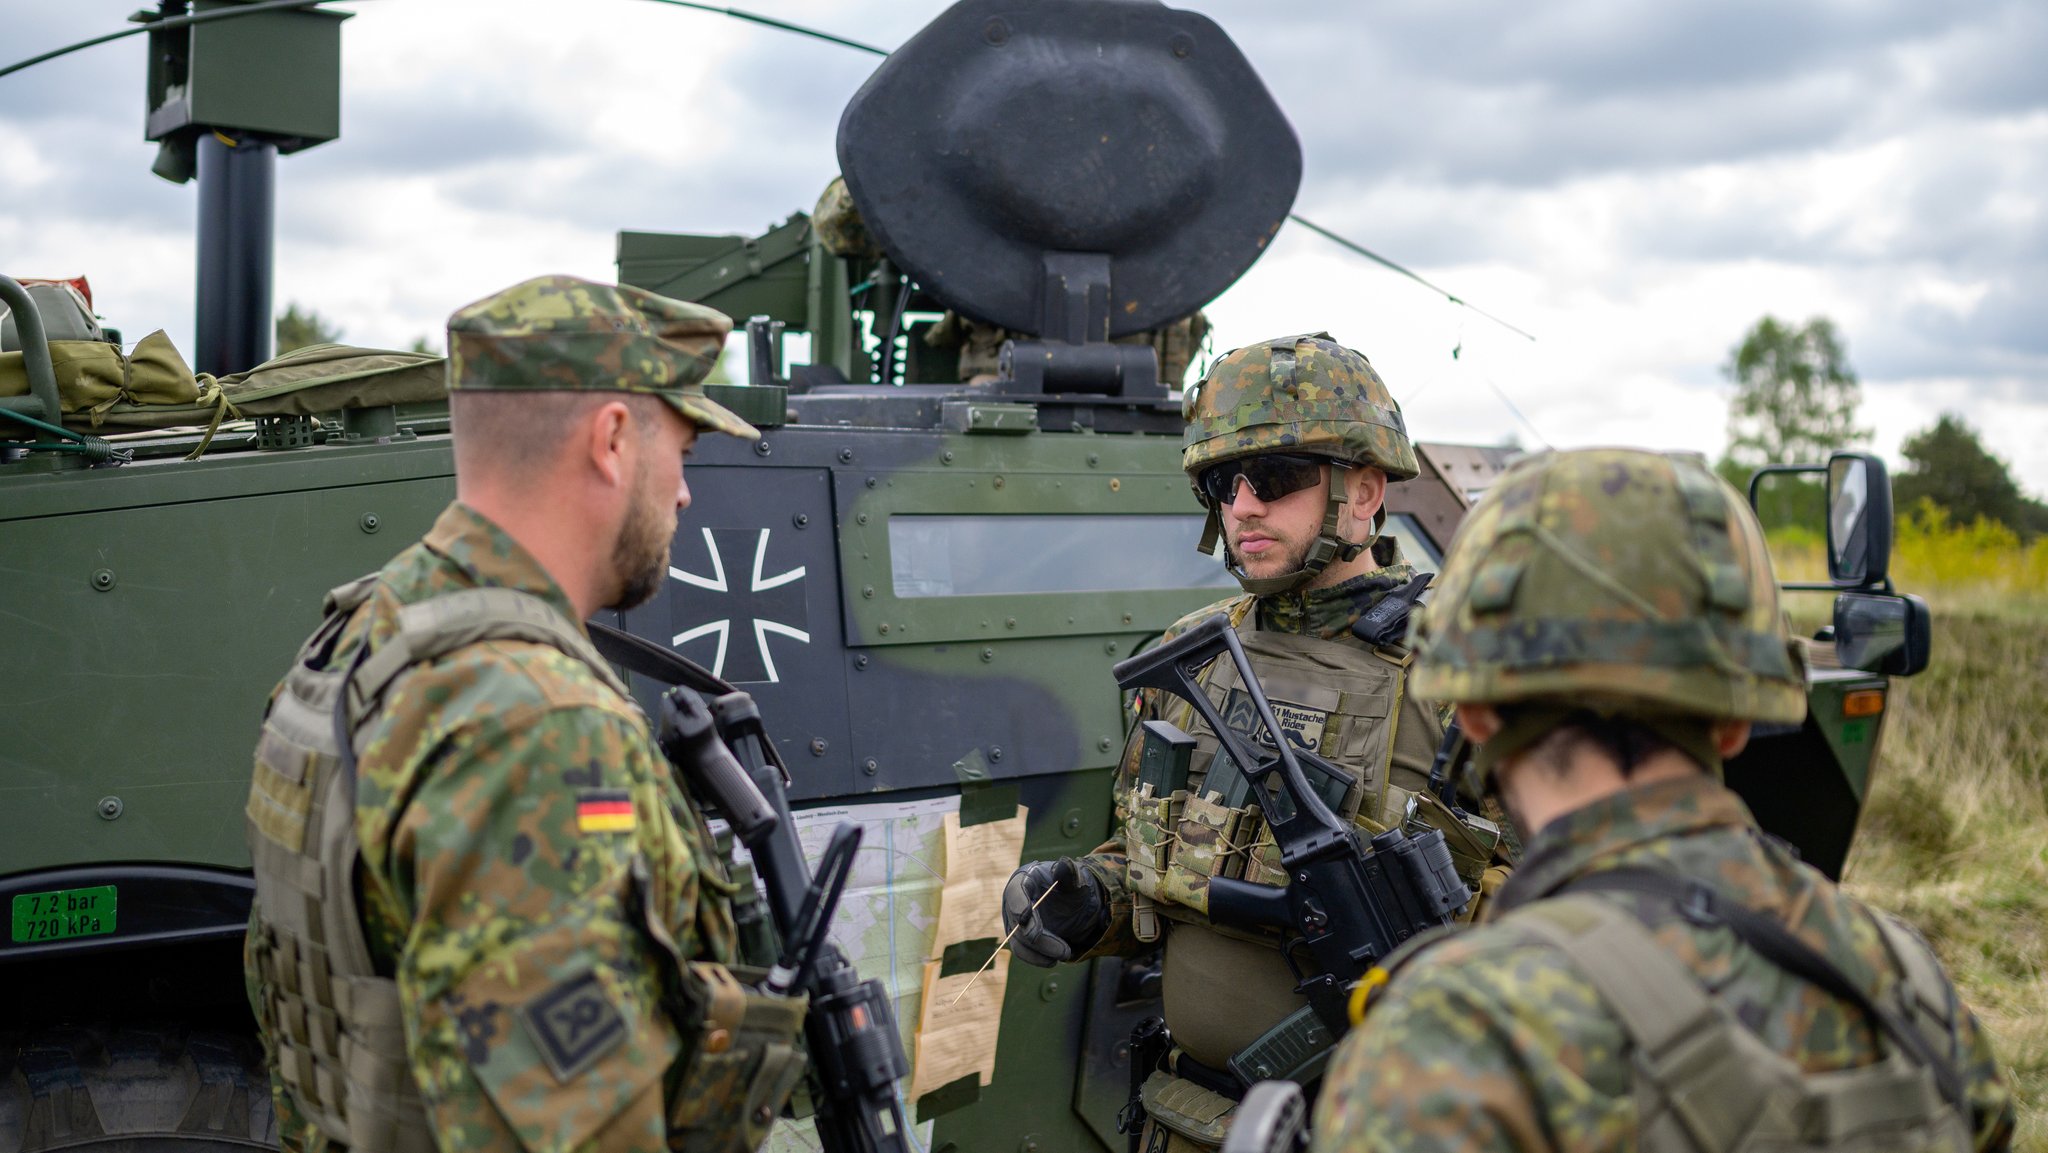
[1615,579]
[560,333]
[1296,394]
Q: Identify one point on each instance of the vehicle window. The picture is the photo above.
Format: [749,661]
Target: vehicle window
[947,556]
[950,556]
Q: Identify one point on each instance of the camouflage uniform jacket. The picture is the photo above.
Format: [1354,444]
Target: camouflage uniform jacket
[1324,613]
[1489,1040]
[506,798]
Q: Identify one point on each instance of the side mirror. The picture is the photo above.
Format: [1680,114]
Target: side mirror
[1859,520]
[1880,632]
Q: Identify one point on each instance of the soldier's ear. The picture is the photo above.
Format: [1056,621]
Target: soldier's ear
[610,440]
[1730,737]
[1481,722]
[1366,491]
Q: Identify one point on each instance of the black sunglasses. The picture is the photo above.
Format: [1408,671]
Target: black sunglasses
[1271,475]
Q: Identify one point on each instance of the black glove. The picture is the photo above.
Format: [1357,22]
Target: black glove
[1068,921]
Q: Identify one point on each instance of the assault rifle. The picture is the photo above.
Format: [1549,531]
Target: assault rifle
[1347,903]
[712,733]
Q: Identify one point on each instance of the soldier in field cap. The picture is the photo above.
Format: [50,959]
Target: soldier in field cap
[487,917]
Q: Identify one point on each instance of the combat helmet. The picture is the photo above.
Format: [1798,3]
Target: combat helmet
[1626,582]
[1301,394]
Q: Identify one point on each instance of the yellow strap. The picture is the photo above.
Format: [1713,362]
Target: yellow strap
[1362,993]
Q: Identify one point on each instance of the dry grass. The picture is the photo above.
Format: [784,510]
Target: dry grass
[1955,835]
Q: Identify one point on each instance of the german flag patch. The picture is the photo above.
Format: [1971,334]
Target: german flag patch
[604,811]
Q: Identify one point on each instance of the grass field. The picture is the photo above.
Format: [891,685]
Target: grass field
[1955,832]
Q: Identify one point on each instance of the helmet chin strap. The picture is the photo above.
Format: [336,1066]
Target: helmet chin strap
[1328,548]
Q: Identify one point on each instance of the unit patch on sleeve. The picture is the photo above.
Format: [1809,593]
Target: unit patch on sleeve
[574,1024]
[604,811]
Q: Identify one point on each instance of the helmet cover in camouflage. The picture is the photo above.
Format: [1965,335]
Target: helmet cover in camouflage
[563,334]
[839,225]
[1617,579]
[1305,394]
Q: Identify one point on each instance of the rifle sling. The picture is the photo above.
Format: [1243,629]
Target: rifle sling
[653,661]
[1776,944]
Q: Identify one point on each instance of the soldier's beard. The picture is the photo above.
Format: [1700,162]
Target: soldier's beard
[1285,557]
[640,554]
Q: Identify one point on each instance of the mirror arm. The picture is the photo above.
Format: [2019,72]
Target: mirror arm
[1756,477]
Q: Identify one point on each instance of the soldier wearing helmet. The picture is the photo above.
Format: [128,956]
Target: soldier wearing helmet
[1658,975]
[1290,446]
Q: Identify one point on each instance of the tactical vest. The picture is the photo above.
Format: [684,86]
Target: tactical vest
[1348,703]
[1704,1083]
[336,1023]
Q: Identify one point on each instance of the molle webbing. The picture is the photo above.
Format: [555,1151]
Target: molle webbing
[335,1022]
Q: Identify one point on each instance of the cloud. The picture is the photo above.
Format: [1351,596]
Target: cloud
[1634,182]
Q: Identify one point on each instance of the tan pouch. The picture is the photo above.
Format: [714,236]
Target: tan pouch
[1186,1110]
[1148,840]
[1204,845]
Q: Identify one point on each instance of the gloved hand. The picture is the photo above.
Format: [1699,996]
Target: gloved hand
[1071,918]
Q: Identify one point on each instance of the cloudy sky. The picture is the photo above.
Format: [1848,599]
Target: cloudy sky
[1633,182]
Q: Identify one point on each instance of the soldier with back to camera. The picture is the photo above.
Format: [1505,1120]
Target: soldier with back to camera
[487,916]
[1659,974]
[1290,445]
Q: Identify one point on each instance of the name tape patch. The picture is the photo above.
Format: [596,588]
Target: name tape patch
[1304,726]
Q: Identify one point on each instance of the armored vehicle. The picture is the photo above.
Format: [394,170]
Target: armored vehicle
[923,580]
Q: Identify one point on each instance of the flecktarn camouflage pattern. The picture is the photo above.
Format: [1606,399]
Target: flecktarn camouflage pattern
[839,225]
[1616,576]
[560,333]
[1489,1039]
[543,892]
[1638,583]
[1304,394]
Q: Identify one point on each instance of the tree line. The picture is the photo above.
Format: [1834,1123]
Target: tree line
[1795,402]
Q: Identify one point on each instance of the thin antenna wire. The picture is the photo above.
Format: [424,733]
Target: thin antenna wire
[162,26]
[766,22]
[1376,258]
[1512,407]
[772,22]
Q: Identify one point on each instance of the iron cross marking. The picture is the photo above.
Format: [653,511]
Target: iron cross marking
[738,607]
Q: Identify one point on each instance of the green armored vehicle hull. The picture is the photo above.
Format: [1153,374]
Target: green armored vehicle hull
[923,582]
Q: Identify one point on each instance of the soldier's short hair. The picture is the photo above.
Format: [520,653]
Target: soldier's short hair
[499,431]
